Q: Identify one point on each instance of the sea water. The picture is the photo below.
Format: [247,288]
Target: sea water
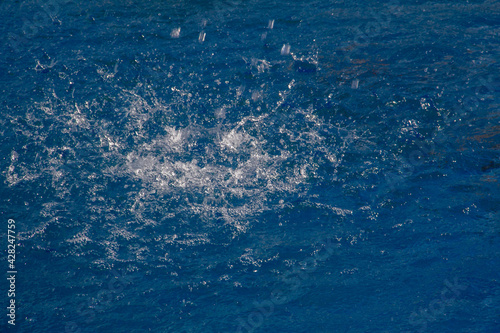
[251,166]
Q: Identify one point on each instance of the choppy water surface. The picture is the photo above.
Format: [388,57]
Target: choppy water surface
[230,166]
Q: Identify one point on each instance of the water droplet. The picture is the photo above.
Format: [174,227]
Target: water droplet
[201,38]
[175,33]
[285,50]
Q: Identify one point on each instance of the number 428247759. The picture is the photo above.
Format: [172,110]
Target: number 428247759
[11,239]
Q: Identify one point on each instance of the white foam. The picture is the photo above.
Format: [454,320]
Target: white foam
[219,176]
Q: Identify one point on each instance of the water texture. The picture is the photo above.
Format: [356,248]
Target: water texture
[251,166]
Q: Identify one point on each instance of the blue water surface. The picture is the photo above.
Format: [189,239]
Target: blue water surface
[251,166]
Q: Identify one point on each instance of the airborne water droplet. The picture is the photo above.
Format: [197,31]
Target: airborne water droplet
[175,33]
[201,38]
[285,50]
